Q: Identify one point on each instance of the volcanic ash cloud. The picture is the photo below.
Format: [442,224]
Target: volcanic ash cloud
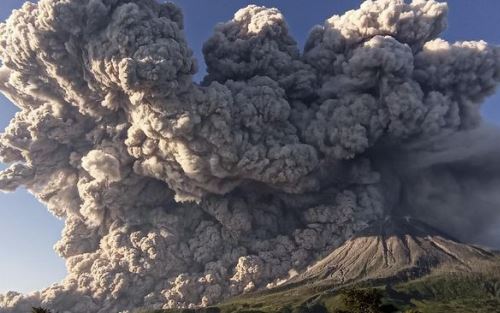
[178,194]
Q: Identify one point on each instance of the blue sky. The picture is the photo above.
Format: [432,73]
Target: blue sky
[28,231]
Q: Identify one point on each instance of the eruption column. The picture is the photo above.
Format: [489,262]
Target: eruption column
[178,194]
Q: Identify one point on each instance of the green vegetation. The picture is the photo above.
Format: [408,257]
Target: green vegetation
[444,293]
[364,301]
[454,293]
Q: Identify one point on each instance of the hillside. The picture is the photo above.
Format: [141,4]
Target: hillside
[411,265]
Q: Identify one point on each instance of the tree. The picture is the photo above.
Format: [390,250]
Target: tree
[310,308]
[365,301]
[40,310]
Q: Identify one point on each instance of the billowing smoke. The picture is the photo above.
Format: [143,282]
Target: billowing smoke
[179,194]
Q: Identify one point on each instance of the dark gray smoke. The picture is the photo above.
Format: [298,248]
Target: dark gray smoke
[453,181]
[177,194]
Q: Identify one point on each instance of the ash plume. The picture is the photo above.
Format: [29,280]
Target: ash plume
[178,194]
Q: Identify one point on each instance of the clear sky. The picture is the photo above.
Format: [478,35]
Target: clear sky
[28,231]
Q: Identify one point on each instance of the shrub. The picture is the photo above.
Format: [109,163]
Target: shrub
[40,310]
[365,301]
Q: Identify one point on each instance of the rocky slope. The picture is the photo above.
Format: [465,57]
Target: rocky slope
[397,249]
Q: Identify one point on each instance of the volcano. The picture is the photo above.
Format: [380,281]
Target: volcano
[412,263]
[182,190]
[397,249]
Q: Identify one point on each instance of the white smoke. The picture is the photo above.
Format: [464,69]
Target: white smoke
[102,166]
[177,194]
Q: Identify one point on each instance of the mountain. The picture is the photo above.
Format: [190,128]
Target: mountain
[411,264]
[397,249]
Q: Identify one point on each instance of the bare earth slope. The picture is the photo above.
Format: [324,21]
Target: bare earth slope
[398,249]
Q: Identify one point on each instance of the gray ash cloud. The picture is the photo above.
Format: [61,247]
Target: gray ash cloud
[179,194]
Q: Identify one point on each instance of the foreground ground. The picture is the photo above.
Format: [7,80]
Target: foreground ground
[437,293]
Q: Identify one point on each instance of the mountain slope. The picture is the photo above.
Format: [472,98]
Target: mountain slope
[412,264]
[398,249]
